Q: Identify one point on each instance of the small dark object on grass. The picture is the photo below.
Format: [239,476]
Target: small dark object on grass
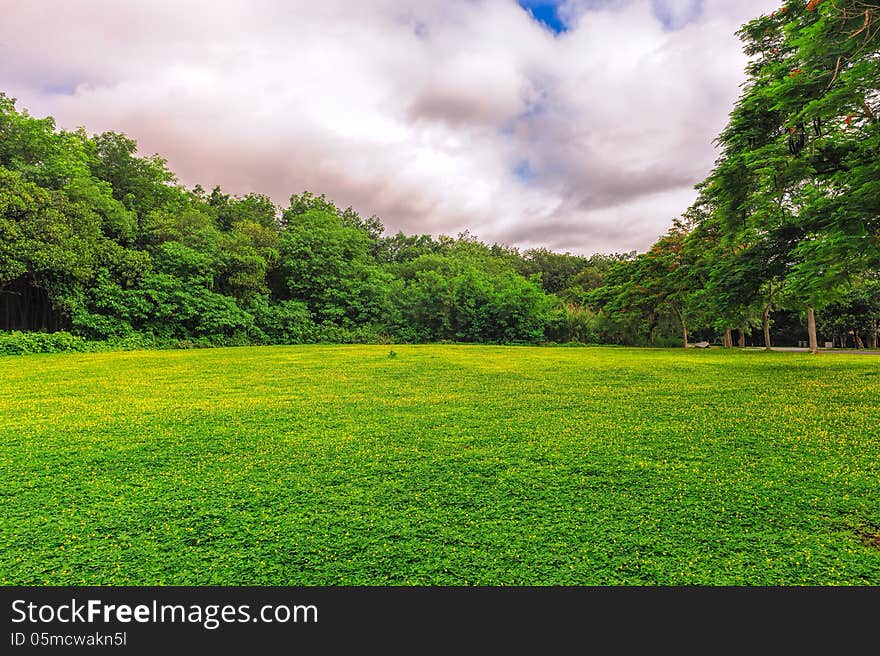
[392,354]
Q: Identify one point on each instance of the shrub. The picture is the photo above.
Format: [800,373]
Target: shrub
[330,333]
[23,343]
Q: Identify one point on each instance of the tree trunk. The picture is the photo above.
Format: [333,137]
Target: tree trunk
[728,338]
[742,337]
[873,338]
[811,329]
[684,334]
[765,320]
[859,343]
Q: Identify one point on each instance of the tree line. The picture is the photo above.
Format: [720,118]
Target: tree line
[788,221]
[101,242]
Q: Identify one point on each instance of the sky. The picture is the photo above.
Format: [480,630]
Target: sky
[575,125]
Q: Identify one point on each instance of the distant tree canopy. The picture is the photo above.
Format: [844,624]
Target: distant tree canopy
[785,234]
[104,243]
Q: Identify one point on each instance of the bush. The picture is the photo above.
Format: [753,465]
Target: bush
[330,333]
[100,326]
[25,343]
[21,343]
[572,323]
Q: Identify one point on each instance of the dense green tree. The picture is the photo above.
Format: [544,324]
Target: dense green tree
[400,248]
[557,270]
[48,248]
[230,210]
[328,265]
[463,296]
[141,184]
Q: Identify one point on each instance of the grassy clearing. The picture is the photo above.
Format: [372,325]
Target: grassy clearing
[442,465]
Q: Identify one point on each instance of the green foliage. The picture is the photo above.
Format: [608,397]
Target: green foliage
[330,333]
[283,322]
[166,306]
[327,265]
[249,251]
[471,297]
[25,343]
[853,319]
[401,248]
[29,343]
[253,208]
[141,184]
[557,270]
[575,323]
[806,135]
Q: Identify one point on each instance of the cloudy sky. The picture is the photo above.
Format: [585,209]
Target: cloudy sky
[577,125]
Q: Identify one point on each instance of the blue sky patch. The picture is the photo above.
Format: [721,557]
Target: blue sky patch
[545,12]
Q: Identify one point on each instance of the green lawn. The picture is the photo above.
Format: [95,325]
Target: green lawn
[322,465]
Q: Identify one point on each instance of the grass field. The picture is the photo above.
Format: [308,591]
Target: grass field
[322,465]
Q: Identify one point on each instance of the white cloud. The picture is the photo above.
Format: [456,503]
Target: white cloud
[421,112]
